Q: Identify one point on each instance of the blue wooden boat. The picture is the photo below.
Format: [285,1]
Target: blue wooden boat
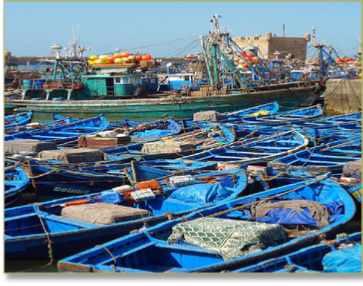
[295,115]
[54,180]
[197,140]
[64,133]
[160,249]
[337,119]
[356,192]
[236,116]
[141,131]
[16,181]
[23,130]
[12,121]
[147,170]
[306,260]
[330,157]
[254,151]
[27,239]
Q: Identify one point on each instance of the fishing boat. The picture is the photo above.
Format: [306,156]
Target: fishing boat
[30,228]
[54,180]
[311,259]
[235,116]
[217,238]
[330,157]
[147,131]
[65,132]
[171,147]
[290,116]
[12,121]
[254,151]
[85,97]
[356,192]
[337,119]
[16,181]
[147,170]
[31,127]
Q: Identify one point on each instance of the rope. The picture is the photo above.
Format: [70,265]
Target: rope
[49,241]
[112,256]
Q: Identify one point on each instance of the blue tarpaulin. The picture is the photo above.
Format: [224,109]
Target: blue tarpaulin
[201,193]
[289,216]
[152,133]
[344,261]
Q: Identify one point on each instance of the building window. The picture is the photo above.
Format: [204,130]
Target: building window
[117,80]
[186,78]
[125,80]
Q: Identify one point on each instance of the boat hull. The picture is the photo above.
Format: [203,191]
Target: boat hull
[179,107]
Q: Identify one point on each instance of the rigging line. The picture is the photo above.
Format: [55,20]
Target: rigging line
[187,51]
[160,44]
[182,48]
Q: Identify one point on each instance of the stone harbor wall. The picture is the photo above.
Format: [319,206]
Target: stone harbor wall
[343,96]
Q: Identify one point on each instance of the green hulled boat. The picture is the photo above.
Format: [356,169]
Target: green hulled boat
[179,107]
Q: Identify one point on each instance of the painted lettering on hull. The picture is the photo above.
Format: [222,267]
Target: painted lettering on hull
[70,190]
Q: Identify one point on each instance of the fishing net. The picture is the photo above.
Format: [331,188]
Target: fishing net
[80,155]
[230,238]
[208,116]
[103,213]
[28,145]
[166,147]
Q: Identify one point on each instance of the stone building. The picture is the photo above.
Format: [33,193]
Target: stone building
[292,47]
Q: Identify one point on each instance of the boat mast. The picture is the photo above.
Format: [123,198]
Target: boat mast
[207,61]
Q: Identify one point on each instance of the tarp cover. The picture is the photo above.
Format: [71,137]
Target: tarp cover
[165,147]
[230,238]
[28,145]
[211,115]
[201,193]
[80,155]
[302,212]
[102,213]
[352,167]
[344,261]
[101,142]
[153,133]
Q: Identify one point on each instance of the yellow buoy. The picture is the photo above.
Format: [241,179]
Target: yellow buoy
[103,57]
[99,61]
[262,112]
[91,63]
[118,61]
[93,58]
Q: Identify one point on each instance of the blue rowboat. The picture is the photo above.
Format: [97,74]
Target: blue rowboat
[147,170]
[356,192]
[330,157]
[16,181]
[65,133]
[147,131]
[338,119]
[311,258]
[167,165]
[22,131]
[54,180]
[295,115]
[162,249]
[196,141]
[254,151]
[236,116]
[27,239]
[13,121]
